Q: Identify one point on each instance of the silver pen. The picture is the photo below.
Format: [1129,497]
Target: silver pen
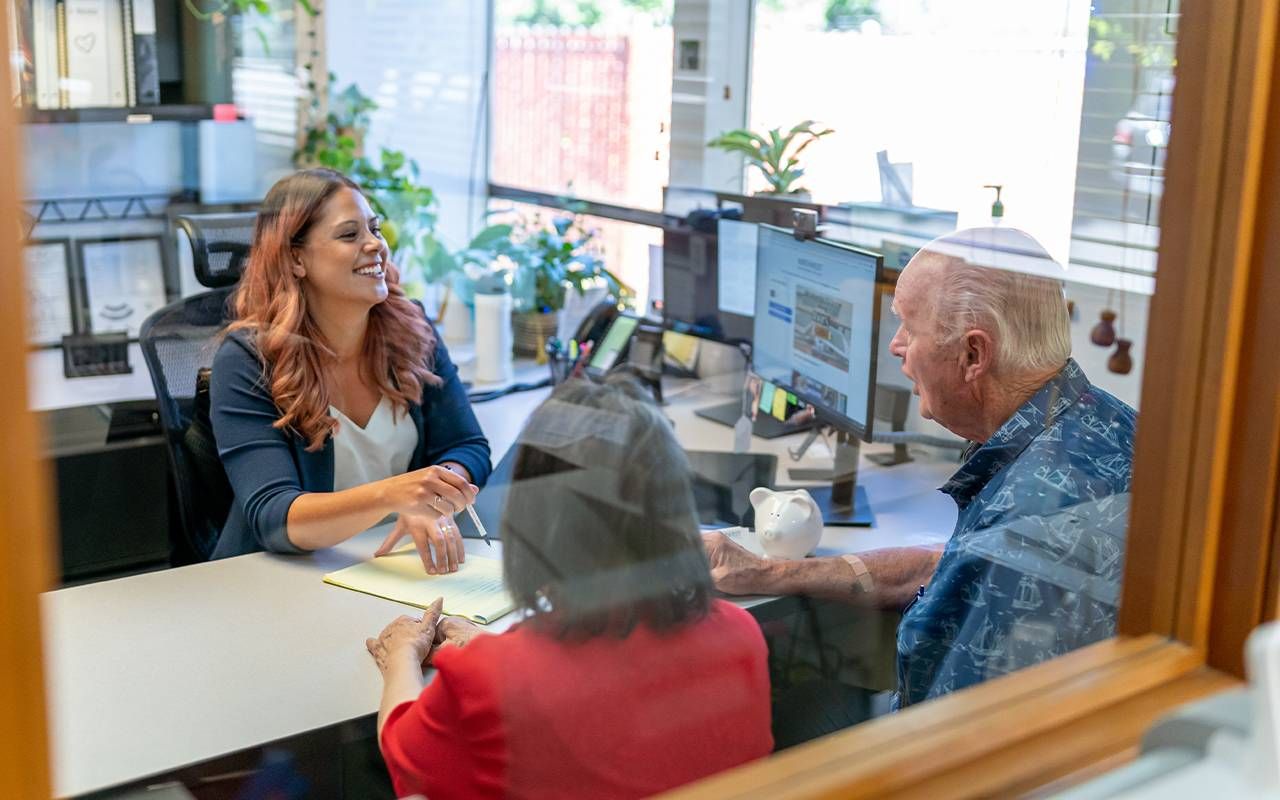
[475,520]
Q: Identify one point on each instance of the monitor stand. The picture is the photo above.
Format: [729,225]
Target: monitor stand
[843,501]
[764,426]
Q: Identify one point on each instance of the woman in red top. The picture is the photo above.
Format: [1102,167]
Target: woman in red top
[627,678]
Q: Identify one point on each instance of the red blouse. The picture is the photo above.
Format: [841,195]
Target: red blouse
[524,714]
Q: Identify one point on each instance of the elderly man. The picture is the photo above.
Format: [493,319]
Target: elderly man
[1032,567]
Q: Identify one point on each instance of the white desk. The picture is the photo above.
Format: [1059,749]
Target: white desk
[154,672]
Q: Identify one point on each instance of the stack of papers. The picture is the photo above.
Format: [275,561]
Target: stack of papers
[475,591]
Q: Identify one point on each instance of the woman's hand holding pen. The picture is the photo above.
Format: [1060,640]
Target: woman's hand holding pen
[426,500]
[432,491]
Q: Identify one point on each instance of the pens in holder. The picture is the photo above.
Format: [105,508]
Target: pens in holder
[554,351]
[475,520]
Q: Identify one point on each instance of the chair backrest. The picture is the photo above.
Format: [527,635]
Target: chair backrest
[219,245]
[176,342]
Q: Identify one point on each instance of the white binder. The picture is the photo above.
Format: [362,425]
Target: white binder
[95,54]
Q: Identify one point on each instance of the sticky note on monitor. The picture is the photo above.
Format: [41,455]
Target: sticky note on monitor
[767,393]
[780,406]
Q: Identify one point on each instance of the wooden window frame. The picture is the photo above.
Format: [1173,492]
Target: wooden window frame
[1201,568]
[26,514]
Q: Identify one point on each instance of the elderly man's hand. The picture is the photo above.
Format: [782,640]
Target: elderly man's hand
[734,569]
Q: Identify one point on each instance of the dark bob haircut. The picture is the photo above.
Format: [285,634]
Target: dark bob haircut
[599,531]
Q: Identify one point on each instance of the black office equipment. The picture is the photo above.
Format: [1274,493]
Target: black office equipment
[108,462]
[611,348]
[723,482]
[87,355]
[816,328]
[693,274]
[177,342]
[765,425]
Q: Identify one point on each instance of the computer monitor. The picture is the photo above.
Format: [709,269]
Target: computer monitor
[816,321]
[704,275]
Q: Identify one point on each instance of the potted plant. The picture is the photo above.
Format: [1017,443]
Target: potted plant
[775,154]
[549,259]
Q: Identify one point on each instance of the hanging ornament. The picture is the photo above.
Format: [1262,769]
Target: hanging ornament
[1121,361]
[1104,333]
[1071,310]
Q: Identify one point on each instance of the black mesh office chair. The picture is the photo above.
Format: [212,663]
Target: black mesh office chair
[178,341]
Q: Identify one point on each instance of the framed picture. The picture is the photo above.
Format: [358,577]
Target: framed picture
[123,282]
[51,305]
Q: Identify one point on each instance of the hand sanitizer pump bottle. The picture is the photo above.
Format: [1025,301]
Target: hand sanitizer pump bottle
[997,208]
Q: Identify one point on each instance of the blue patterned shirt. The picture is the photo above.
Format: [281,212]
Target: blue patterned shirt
[1032,569]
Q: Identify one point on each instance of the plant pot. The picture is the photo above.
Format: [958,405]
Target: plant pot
[531,330]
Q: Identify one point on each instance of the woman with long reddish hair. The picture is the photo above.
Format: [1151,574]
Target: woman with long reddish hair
[333,402]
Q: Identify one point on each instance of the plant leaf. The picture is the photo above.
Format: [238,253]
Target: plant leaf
[490,236]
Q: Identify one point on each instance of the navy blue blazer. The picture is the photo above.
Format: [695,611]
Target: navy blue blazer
[269,468]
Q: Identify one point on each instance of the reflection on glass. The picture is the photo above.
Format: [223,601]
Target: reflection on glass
[1031,568]
[627,677]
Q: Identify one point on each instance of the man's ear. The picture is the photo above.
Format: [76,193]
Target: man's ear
[979,354]
[295,263]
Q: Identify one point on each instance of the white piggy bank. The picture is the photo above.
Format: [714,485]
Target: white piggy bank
[789,524]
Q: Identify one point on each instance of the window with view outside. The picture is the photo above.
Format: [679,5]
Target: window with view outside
[1124,134]
[932,105]
[582,98]
[1064,104]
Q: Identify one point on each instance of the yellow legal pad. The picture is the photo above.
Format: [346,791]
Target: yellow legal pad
[475,591]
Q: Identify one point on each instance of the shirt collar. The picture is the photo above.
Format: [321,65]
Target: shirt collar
[1057,395]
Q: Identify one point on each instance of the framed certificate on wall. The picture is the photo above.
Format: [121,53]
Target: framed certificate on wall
[51,307]
[123,280]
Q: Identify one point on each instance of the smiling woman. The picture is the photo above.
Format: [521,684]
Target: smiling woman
[332,400]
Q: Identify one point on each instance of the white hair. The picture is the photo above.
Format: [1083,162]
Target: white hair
[1002,281]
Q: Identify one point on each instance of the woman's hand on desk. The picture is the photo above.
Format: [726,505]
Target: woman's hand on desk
[406,638]
[432,490]
[734,569]
[436,537]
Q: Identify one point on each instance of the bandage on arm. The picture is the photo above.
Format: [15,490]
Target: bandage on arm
[862,580]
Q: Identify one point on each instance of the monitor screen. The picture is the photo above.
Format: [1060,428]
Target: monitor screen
[736,266]
[614,342]
[702,289]
[815,324]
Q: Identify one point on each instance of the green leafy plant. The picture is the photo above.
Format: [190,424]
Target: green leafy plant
[543,259]
[230,7]
[334,138]
[775,154]
[1147,46]
[843,15]
[586,13]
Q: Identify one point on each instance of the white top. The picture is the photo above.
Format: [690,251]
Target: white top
[380,449]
